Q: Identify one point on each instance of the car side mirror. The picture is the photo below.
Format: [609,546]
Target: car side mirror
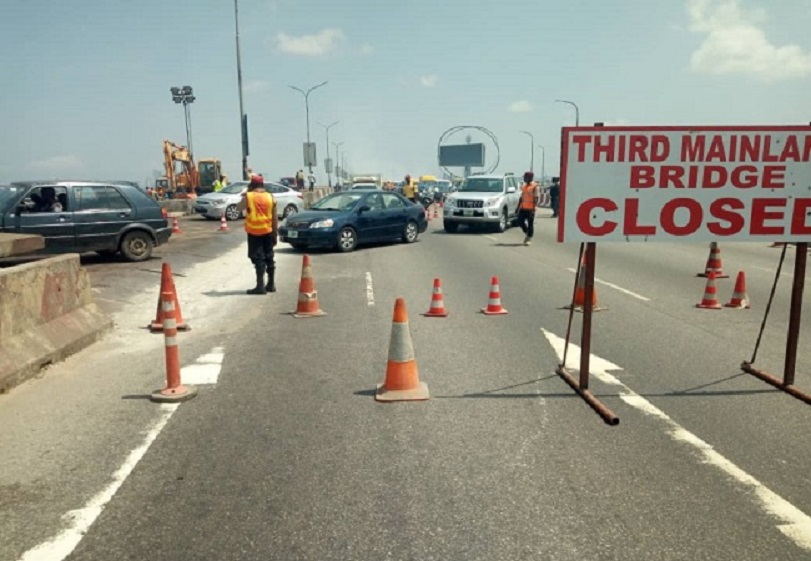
[510,189]
[364,208]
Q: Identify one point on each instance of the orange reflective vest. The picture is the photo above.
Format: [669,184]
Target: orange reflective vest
[528,196]
[259,220]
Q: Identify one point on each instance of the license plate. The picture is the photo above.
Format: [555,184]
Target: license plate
[468,212]
[292,234]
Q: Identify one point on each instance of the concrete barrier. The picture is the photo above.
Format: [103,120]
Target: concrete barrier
[46,314]
[316,194]
[175,206]
[20,244]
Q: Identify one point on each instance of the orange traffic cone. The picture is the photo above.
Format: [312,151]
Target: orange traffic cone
[176,227]
[168,285]
[710,300]
[739,297]
[436,210]
[494,301]
[427,214]
[437,309]
[307,306]
[223,224]
[714,263]
[579,303]
[402,378]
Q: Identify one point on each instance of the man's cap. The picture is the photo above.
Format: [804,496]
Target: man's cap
[257,180]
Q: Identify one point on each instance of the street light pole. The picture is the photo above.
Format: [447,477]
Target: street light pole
[307,110]
[338,178]
[543,162]
[576,110]
[531,150]
[184,95]
[243,123]
[326,129]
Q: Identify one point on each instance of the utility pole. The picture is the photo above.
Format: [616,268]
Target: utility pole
[576,110]
[543,162]
[531,151]
[243,119]
[184,95]
[307,111]
[326,129]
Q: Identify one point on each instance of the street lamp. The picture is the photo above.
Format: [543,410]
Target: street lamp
[307,109]
[338,178]
[543,162]
[576,110]
[326,129]
[532,150]
[243,120]
[184,95]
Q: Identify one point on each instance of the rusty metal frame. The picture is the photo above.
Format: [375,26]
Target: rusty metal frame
[581,386]
[793,335]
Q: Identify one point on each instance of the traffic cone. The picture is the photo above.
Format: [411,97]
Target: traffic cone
[739,298]
[436,210]
[307,306]
[437,309]
[402,381]
[427,214]
[168,285]
[223,224]
[173,391]
[176,227]
[714,263]
[494,301]
[579,303]
[710,301]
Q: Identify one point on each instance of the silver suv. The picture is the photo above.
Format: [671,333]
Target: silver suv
[483,199]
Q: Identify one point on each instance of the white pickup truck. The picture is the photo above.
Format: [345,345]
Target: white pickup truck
[483,199]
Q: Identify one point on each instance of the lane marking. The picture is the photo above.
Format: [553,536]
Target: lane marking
[616,287]
[370,290]
[205,370]
[489,237]
[795,524]
[63,544]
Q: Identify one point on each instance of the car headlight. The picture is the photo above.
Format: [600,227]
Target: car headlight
[218,201]
[491,201]
[326,223]
[450,201]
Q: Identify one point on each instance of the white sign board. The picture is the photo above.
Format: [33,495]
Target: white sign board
[685,184]
[328,165]
[309,155]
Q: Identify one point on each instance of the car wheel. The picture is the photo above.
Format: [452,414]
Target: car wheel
[289,210]
[451,227]
[503,222]
[232,213]
[411,232]
[137,246]
[347,240]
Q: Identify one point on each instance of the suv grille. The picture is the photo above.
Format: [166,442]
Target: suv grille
[469,204]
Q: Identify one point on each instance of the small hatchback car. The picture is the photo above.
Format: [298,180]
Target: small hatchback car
[83,216]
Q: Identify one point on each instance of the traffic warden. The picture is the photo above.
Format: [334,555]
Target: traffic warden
[219,183]
[410,189]
[262,226]
[530,197]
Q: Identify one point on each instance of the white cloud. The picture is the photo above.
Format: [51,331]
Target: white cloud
[256,86]
[429,81]
[320,44]
[367,49]
[522,106]
[616,123]
[57,164]
[736,44]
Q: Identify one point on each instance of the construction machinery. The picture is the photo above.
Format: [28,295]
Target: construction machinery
[183,179]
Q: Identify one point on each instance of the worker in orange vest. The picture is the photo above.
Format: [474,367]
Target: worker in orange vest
[526,206]
[262,226]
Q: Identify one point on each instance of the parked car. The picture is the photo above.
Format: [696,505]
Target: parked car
[83,216]
[483,199]
[214,205]
[345,220]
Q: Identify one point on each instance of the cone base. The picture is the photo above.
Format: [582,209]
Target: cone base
[487,312]
[717,276]
[582,309]
[420,393]
[158,327]
[429,314]
[176,395]
[316,314]
[741,306]
[709,306]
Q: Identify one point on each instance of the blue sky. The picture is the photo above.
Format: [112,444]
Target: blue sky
[86,82]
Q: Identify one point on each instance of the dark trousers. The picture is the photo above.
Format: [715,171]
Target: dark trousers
[555,205]
[526,219]
[260,252]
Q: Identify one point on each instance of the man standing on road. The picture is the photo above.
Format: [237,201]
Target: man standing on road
[410,190]
[300,180]
[554,196]
[526,207]
[261,225]
[311,180]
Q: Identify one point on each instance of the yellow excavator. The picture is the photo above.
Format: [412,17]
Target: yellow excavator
[183,179]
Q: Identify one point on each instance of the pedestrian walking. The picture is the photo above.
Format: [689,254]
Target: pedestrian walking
[554,196]
[261,225]
[526,207]
[410,189]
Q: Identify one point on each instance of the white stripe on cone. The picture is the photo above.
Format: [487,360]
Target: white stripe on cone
[401,348]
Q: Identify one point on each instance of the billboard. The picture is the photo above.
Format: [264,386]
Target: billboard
[737,183]
[462,155]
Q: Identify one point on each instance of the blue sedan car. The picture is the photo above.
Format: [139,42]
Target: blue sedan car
[344,220]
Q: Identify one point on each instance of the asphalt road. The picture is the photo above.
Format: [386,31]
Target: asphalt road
[286,455]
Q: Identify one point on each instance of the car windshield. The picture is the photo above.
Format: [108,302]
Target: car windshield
[233,188]
[482,185]
[338,201]
[7,195]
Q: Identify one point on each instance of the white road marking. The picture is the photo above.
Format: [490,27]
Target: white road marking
[370,290]
[616,287]
[491,237]
[63,544]
[205,370]
[794,523]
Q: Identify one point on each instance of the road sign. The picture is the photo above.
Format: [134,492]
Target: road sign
[686,184]
[328,165]
[310,159]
